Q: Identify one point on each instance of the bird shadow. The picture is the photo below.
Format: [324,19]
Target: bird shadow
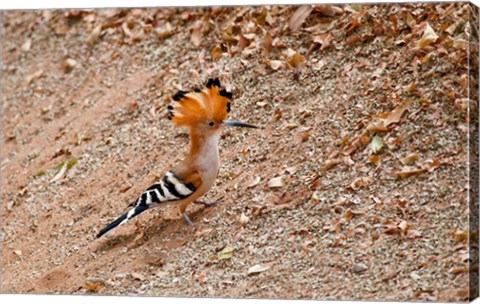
[155,229]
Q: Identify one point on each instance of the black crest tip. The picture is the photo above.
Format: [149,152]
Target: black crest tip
[224,93]
[179,95]
[213,82]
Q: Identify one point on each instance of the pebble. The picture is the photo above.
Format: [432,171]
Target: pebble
[359,268]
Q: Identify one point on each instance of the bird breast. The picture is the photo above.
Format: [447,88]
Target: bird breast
[208,162]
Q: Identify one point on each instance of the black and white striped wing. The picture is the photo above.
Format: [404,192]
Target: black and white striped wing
[169,188]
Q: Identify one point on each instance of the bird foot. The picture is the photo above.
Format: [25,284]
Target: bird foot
[208,204]
[187,219]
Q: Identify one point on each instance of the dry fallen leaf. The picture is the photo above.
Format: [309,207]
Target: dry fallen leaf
[329,10]
[349,214]
[427,166]
[30,78]
[243,219]
[69,65]
[275,64]
[276,182]
[267,43]
[330,164]
[253,182]
[376,144]
[376,160]
[323,39]
[296,60]
[257,269]
[429,36]
[460,235]
[226,253]
[410,159]
[165,31]
[217,52]
[138,276]
[95,35]
[27,45]
[93,287]
[299,17]
[197,34]
[382,121]
[361,182]
[60,173]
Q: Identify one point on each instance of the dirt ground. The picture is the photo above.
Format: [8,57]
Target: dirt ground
[355,187]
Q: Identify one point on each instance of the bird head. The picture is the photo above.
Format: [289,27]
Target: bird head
[204,110]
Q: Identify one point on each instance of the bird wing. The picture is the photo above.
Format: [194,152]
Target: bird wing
[172,187]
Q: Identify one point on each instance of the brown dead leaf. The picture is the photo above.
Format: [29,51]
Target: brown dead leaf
[382,121]
[431,165]
[353,39]
[93,287]
[257,269]
[323,39]
[302,137]
[217,52]
[26,45]
[349,214]
[138,276]
[317,183]
[276,182]
[460,235]
[427,166]
[413,234]
[299,17]
[329,164]
[361,182]
[403,225]
[429,37]
[267,43]
[30,78]
[243,219]
[165,31]
[405,173]
[197,34]
[463,80]
[275,64]
[94,36]
[376,160]
[295,59]
[253,182]
[410,159]
[329,10]
[458,270]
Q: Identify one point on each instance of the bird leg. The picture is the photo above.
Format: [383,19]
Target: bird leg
[183,211]
[187,219]
[208,204]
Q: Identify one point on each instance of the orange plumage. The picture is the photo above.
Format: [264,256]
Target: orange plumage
[200,106]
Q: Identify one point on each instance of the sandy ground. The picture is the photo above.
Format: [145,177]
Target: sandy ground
[360,207]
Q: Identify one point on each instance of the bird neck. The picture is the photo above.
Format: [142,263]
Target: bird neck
[203,144]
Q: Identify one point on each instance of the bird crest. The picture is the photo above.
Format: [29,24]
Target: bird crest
[200,106]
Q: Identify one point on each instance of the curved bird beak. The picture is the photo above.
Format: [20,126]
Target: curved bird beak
[232,123]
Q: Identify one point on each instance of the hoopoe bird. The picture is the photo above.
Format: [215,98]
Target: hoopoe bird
[204,112]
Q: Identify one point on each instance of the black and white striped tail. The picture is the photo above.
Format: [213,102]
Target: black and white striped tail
[123,219]
[169,188]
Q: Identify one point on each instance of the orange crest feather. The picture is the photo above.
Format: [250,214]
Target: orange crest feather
[199,106]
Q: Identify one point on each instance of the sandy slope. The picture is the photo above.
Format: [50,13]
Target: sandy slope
[341,227]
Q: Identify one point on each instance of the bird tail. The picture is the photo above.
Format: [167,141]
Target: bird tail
[123,219]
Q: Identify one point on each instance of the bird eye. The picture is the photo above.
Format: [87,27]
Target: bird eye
[211,124]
